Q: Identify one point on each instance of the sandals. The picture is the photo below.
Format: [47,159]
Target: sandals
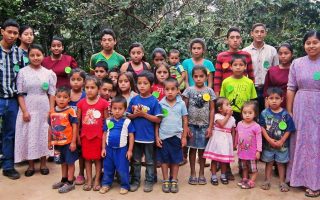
[96,188]
[104,189]
[266,185]
[284,187]
[202,180]
[87,187]
[193,180]
[248,185]
[44,171]
[214,181]
[224,181]
[311,193]
[29,172]
[80,180]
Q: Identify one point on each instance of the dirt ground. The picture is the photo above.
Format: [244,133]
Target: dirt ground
[39,187]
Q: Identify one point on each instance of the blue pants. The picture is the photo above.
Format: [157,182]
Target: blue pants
[116,160]
[8,113]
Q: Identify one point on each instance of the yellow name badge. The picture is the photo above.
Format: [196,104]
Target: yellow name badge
[206,97]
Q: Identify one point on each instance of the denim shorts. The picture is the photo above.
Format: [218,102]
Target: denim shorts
[66,155]
[198,139]
[269,155]
[171,151]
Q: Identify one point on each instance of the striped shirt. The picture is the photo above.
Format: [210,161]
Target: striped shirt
[10,63]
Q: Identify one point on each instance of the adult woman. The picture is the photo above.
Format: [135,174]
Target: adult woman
[26,37]
[303,96]
[59,62]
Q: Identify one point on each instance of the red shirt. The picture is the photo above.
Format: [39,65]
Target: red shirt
[223,68]
[58,66]
[158,88]
[92,117]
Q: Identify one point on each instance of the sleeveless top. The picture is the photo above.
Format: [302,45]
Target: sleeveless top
[136,73]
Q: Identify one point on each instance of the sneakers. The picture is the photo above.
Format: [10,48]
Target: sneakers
[123,191]
[134,186]
[174,187]
[148,187]
[57,185]
[66,188]
[166,186]
[104,189]
[11,173]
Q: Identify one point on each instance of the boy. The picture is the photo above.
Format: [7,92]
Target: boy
[107,91]
[113,75]
[277,125]
[176,69]
[62,134]
[172,134]
[101,70]
[116,147]
[145,111]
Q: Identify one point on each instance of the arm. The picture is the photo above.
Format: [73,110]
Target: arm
[290,98]
[185,132]
[148,65]
[259,144]
[183,77]
[52,100]
[73,144]
[217,81]
[25,114]
[283,139]
[210,80]
[124,67]
[223,122]
[211,120]
[158,140]
[50,146]
[130,148]
[106,113]
[79,122]
[103,150]
[73,63]
[267,137]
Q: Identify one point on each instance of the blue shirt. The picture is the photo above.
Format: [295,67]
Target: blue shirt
[73,104]
[144,128]
[171,125]
[117,136]
[188,66]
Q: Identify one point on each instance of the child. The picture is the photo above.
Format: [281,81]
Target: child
[36,90]
[101,69]
[199,101]
[238,88]
[220,145]
[145,111]
[197,48]
[107,91]
[176,69]
[249,143]
[26,37]
[277,125]
[126,86]
[136,64]
[77,78]
[63,135]
[159,55]
[162,72]
[117,146]
[113,75]
[172,134]
[91,112]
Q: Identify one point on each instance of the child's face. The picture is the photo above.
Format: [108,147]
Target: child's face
[100,72]
[258,34]
[108,42]
[136,54]
[197,50]
[171,91]
[162,74]
[76,81]
[226,107]
[56,47]
[91,89]
[238,67]
[285,55]
[199,78]
[35,57]
[275,101]
[118,110]
[144,86]
[114,77]
[248,113]
[10,34]
[234,40]
[106,91]
[27,36]
[124,83]
[174,58]
[158,59]
[62,99]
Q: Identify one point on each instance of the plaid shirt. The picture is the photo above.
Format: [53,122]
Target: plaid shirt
[10,63]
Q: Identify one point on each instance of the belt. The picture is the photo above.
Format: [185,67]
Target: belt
[226,130]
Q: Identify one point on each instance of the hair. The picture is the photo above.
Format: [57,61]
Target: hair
[107,31]
[159,50]
[130,78]
[233,29]
[275,90]
[63,89]
[311,34]
[254,26]
[134,45]
[36,46]
[147,74]
[102,64]
[119,99]
[197,41]
[286,45]
[23,28]
[94,79]
[80,71]
[219,102]
[199,67]
[163,64]
[172,80]
[114,70]
[238,56]
[58,38]
[174,51]
[255,107]
[108,81]
[10,22]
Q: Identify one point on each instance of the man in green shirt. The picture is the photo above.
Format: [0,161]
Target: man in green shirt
[108,54]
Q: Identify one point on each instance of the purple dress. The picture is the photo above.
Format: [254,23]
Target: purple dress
[304,165]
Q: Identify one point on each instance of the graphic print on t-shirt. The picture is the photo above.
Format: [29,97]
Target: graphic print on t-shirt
[91,116]
[59,123]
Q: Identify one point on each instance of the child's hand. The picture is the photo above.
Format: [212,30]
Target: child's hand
[229,112]
[258,155]
[183,142]
[139,113]
[158,142]
[103,153]
[129,155]
[26,116]
[78,141]
[73,146]
[208,133]
[189,133]
[279,144]
[50,146]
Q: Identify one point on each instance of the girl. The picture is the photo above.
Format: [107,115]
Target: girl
[77,78]
[126,86]
[159,56]
[26,37]
[197,47]
[199,100]
[91,112]
[58,62]
[162,72]
[277,76]
[249,144]
[136,64]
[220,145]
[35,84]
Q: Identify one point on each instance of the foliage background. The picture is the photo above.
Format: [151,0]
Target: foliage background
[157,23]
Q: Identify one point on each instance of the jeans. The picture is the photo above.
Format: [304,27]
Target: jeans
[8,113]
[259,91]
[138,150]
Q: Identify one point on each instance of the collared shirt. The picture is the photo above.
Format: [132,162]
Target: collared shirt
[262,60]
[10,63]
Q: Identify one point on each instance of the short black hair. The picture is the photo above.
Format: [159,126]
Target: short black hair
[103,64]
[36,46]
[10,22]
[64,89]
[171,80]
[174,51]
[80,71]
[119,99]
[275,90]
[107,31]
[200,67]
[159,50]
[109,81]
[238,56]
[311,34]
[233,29]
[58,38]
[287,45]
[254,26]
[115,69]
[147,74]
